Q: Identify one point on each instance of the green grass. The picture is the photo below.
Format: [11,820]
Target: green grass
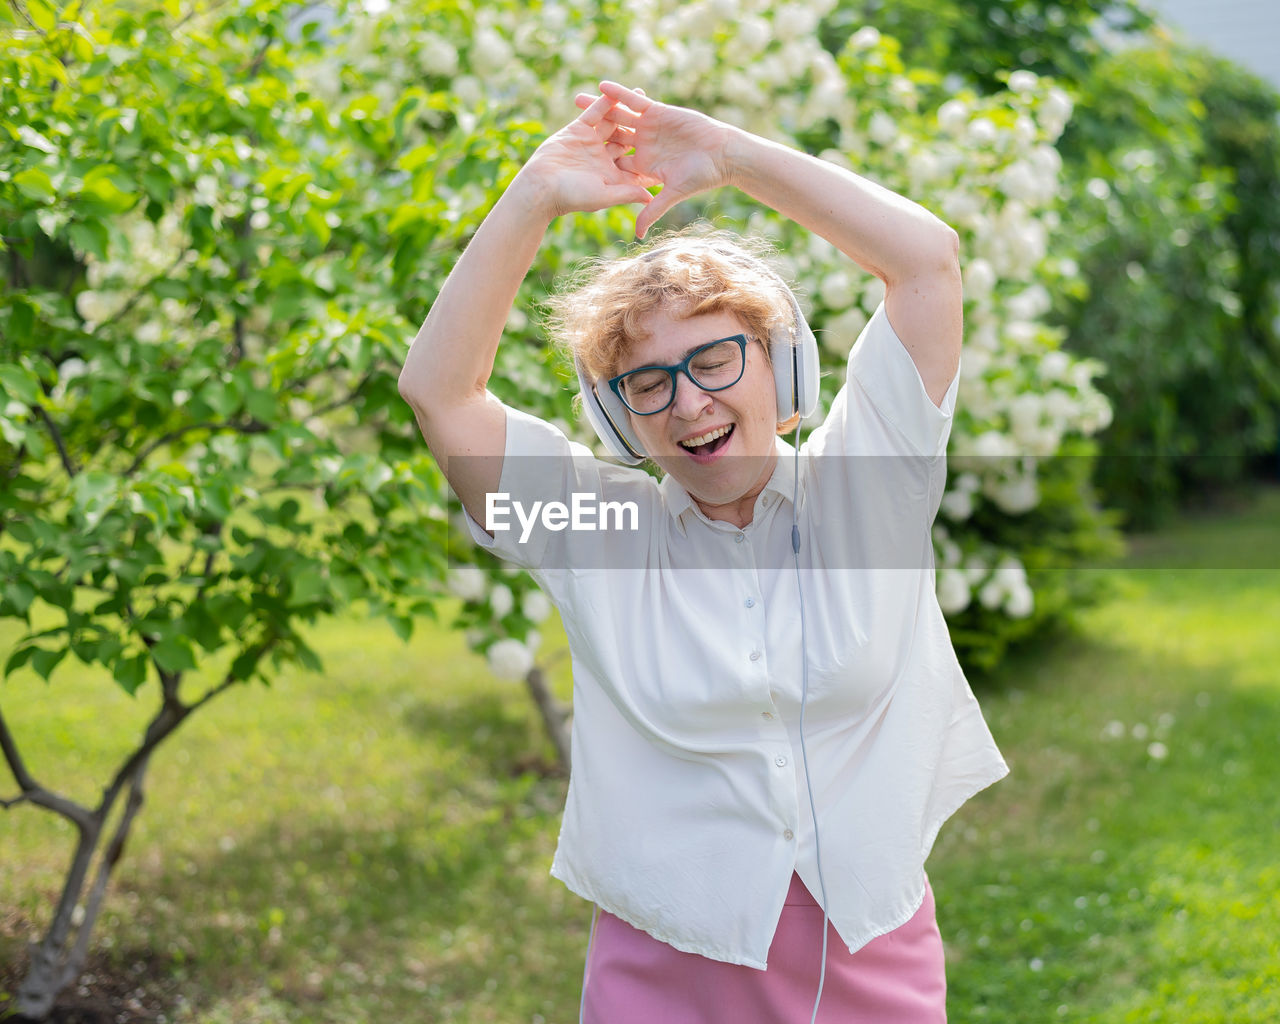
[372,844]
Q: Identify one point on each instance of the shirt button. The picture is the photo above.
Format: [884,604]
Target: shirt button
[738,538]
[788,835]
[755,655]
[780,761]
[750,602]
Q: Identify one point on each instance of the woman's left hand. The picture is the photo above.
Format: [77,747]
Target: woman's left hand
[677,148]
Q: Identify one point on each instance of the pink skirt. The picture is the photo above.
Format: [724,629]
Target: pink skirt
[898,978]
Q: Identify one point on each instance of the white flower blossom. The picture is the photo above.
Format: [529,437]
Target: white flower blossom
[976,570]
[438,55]
[1023,82]
[1020,602]
[957,505]
[490,53]
[865,38]
[953,591]
[753,34]
[979,278]
[793,21]
[991,595]
[842,330]
[509,659]
[468,91]
[883,129]
[534,606]
[953,116]
[1056,111]
[93,306]
[467,582]
[983,132]
[501,600]
[837,290]
[1017,495]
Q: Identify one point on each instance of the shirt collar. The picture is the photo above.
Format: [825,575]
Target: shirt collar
[781,484]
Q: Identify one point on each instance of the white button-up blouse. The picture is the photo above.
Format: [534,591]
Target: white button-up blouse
[688,808]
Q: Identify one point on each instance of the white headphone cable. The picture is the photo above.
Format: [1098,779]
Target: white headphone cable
[586,963]
[804,697]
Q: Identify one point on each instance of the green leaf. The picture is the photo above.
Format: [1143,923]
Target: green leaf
[20,383]
[45,661]
[90,236]
[20,656]
[34,183]
[131,673]
[22,318]
[308,586]
[106,186]
[174,654]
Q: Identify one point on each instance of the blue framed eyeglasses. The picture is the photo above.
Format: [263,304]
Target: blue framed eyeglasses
[648,390]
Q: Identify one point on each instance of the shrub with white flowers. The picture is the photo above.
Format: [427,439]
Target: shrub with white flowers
[1018,508]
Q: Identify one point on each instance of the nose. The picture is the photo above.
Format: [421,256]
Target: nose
[690,401]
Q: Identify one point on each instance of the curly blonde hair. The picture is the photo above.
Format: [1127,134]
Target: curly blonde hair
[685,273]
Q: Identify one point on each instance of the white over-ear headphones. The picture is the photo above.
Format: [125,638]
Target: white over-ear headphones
[795,374]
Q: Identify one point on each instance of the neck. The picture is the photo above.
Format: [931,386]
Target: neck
[740,510]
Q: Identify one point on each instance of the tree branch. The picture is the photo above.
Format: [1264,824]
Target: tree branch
[346,399]
[172,714]
[56,434]
[115,849]
[22,11]
[246,427]
[32,791]
[555,716]
[136,297]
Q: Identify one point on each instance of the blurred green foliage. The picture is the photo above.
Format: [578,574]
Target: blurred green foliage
[1172,160]
[1175,167]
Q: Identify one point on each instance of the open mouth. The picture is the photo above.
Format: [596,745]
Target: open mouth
[706,446]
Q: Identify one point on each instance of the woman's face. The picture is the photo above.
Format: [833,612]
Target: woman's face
[735,464]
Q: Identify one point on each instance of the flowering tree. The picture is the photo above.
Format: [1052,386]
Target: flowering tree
[201,444]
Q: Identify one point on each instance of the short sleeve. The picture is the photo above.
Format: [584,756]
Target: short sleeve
[884,372]
[541,469]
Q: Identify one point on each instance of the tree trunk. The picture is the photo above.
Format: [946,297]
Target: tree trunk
[555,716]
[59,957]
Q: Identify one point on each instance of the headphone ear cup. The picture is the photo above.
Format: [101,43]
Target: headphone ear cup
[609,419]
[795,364]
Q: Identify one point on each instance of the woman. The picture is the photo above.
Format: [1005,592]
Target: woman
[770,722]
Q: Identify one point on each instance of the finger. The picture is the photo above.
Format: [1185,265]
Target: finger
[626,195]
[634,99]
[658,205]
[627,164]
[622,114]
[623,135]
[595,112]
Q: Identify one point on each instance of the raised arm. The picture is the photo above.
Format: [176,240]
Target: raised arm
[911,250]
[448,366]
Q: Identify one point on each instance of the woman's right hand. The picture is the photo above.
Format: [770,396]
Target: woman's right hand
[575,170]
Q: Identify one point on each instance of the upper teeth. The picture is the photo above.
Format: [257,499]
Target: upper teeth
[706,438]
